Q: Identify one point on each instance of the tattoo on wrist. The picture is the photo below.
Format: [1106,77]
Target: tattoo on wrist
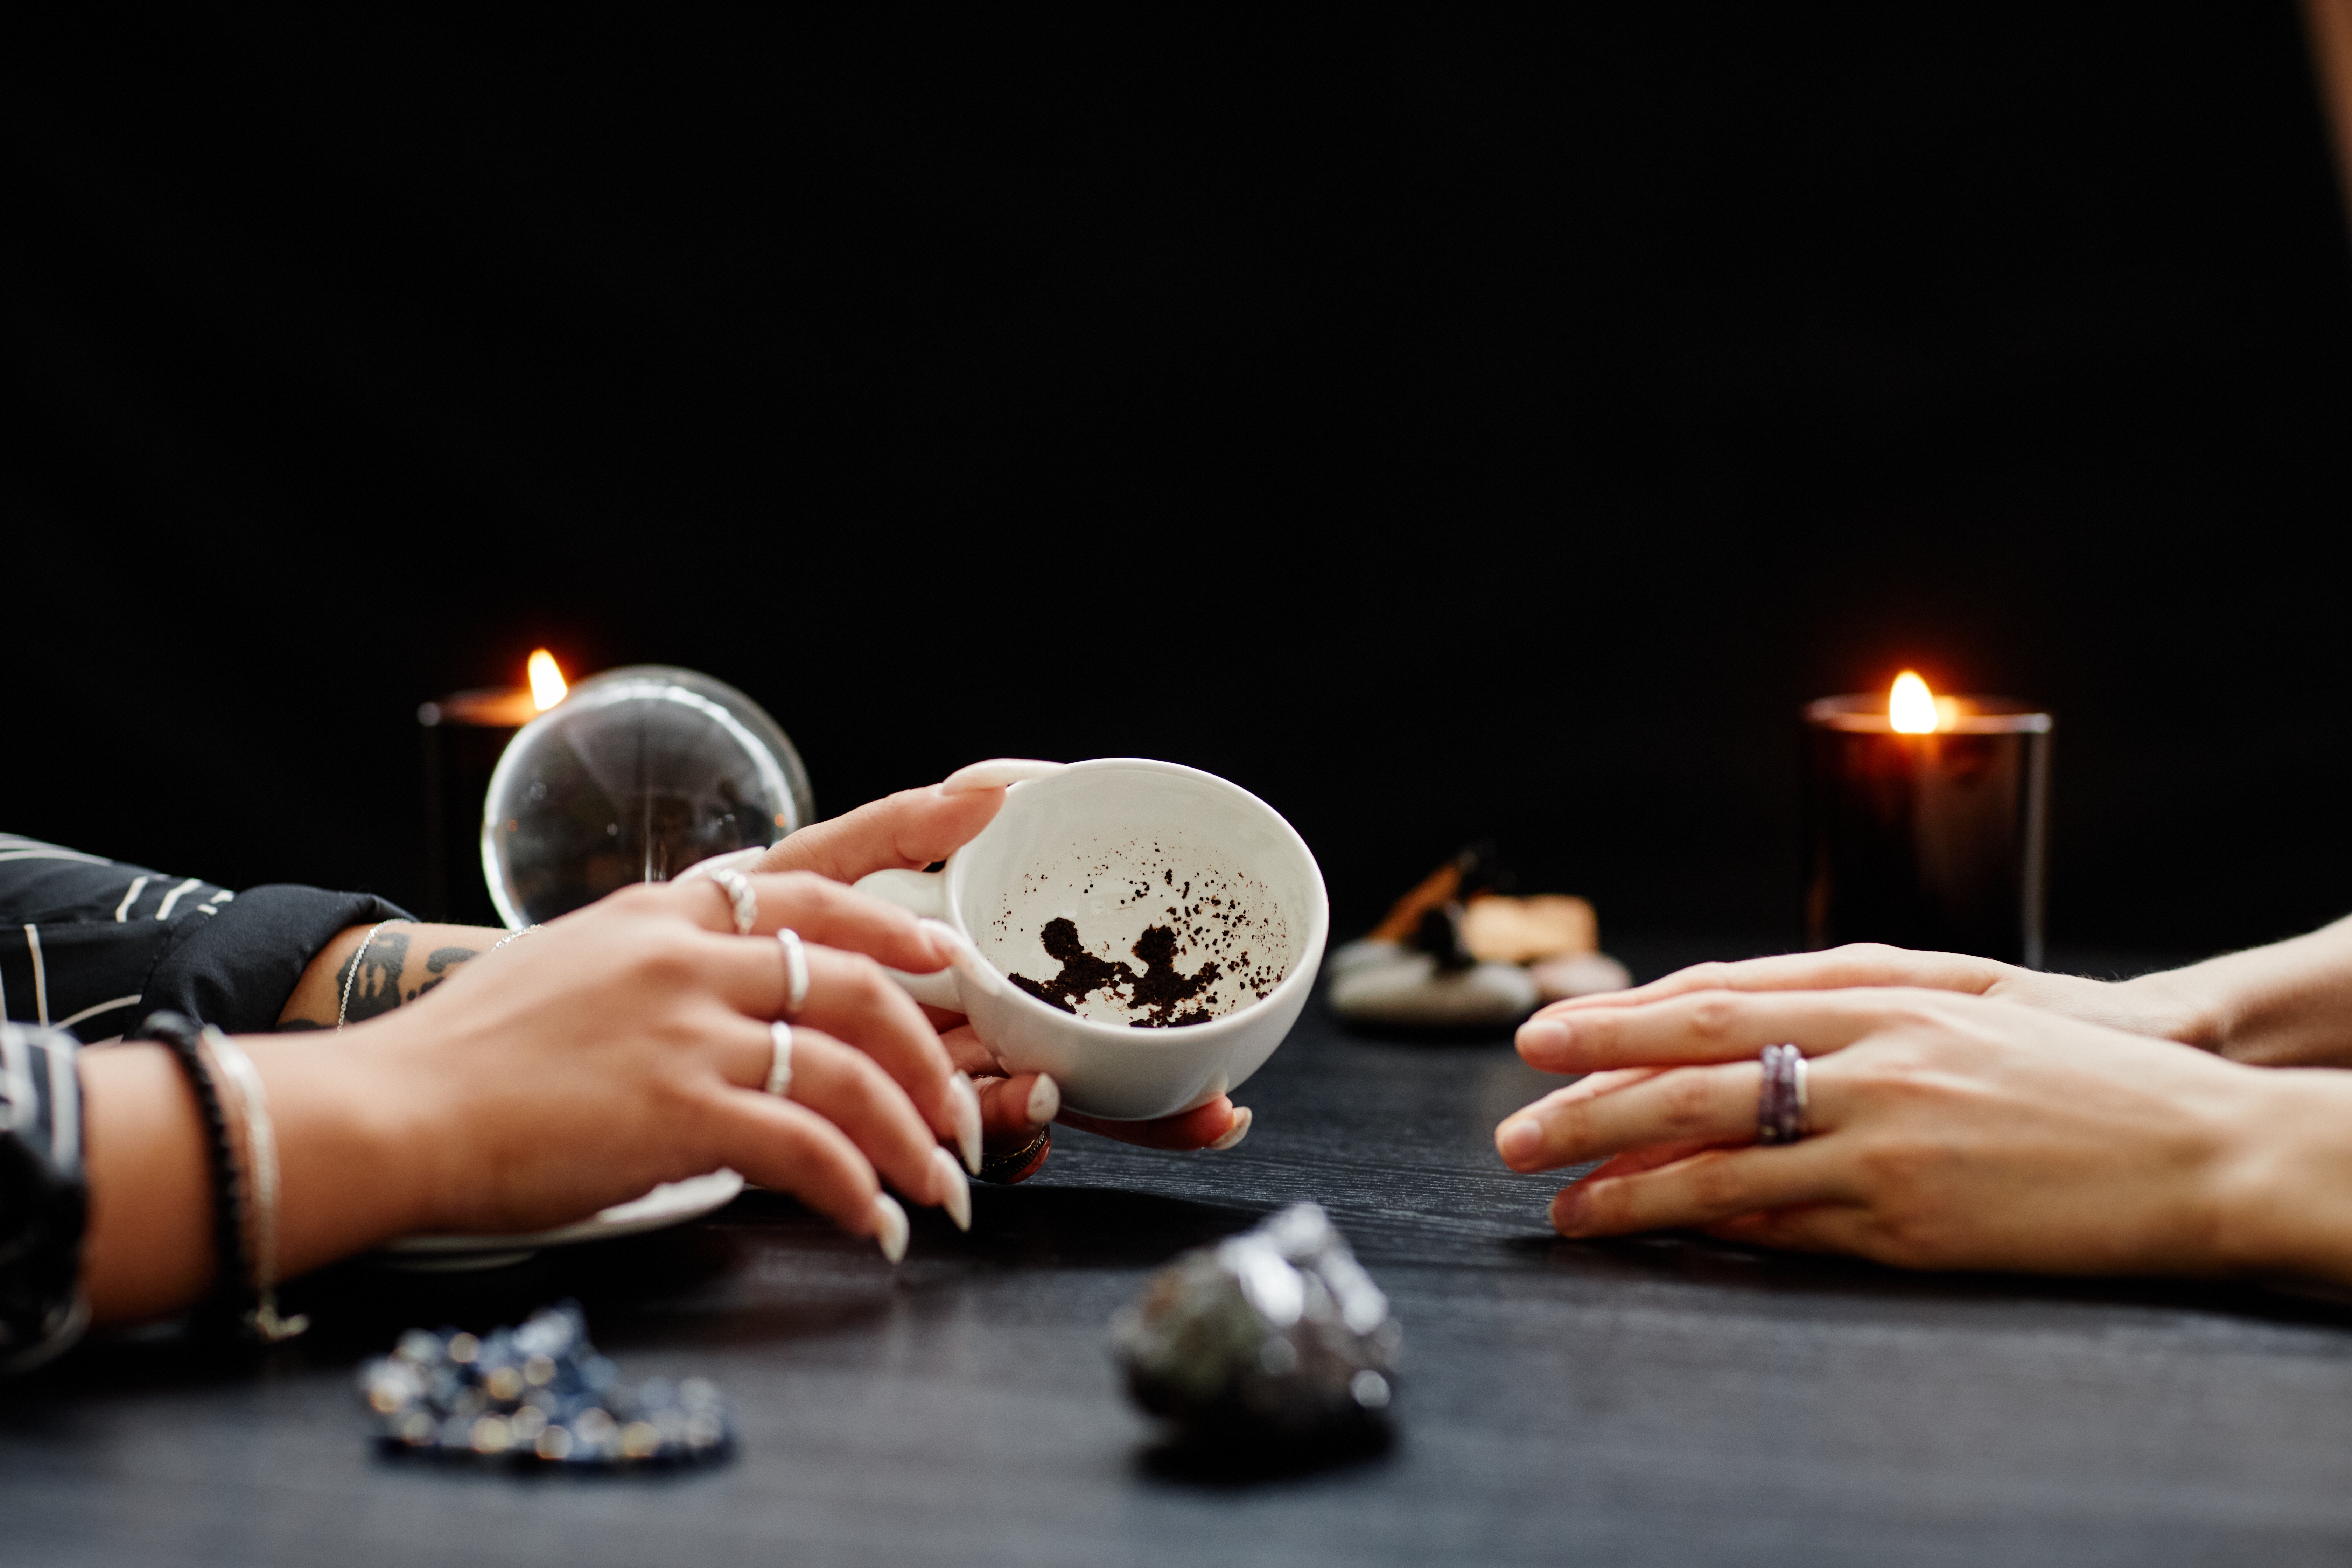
[443,960]
[377,991]
[377,988]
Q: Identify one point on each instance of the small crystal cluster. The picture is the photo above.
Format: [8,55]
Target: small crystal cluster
[1276,1332]
[539,1393]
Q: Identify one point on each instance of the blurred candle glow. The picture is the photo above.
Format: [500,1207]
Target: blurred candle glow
[547,688]
[1910,707]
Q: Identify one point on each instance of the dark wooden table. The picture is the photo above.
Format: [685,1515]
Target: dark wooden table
[1670,1400]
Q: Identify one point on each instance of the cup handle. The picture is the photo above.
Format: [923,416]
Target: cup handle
[923,893]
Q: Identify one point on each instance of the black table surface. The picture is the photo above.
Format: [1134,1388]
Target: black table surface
[1670,1399]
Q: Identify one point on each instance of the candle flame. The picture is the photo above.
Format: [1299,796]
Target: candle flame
[1911,708]
[547,688]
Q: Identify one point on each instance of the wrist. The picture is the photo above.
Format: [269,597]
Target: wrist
[2281,1188]
[2172,1007]
[356,1168]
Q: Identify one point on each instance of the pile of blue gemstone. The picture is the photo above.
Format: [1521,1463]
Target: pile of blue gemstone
[539,1394]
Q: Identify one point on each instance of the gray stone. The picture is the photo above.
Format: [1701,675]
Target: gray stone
[1277,1334]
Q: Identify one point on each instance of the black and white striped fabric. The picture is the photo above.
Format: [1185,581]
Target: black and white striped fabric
[94,945]
[90,946]
[44,1201]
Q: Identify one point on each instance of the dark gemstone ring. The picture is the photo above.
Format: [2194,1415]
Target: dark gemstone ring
[1018,1165]
[1780,1101]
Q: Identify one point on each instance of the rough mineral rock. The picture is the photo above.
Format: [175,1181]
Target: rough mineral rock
[537,1394]
[1274,1334]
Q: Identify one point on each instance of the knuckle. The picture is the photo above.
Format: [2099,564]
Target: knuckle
[1712,1017]
[1687,1098]
[666,961]
[1897,1167]
[1715,1182]
[644,898]
[1595,1032]
[1569,1124]
[863,982]
[806,887]
[1907,1239]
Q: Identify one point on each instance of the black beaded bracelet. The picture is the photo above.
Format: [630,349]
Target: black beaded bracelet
[186,1041]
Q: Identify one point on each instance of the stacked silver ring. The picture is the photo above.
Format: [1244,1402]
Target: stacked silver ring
[780,1060]
[738,888]
[795,970]
[1780,1104]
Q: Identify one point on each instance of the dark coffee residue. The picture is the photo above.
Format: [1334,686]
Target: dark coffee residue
[1159,993]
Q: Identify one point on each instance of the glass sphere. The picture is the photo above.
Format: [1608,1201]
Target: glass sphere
[635,775]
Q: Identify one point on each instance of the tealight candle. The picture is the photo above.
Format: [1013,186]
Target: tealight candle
[464,733]
[1926,822]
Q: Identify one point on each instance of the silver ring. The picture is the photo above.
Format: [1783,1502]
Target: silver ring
[796,969]
[779,1065]
[1781,1100]
[738,888]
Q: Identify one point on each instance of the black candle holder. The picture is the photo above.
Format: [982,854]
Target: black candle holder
[1937,841]
[462,735]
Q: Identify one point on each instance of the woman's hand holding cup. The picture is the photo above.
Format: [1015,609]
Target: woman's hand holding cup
[918,827]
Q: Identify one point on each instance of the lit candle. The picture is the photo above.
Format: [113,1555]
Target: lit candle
[1926,822]
[463,734]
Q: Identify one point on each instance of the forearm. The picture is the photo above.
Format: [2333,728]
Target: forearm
[349,1172]
[2286,1005]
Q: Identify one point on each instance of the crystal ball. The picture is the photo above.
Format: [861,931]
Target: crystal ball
[636,774]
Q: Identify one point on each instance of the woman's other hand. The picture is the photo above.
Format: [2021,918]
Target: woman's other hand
[2285,1005]
[2160,1006]
[1948,1131]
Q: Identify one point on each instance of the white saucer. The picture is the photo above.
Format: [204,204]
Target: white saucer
[672,1202]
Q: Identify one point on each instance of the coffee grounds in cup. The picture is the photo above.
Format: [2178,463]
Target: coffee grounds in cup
[1158,993]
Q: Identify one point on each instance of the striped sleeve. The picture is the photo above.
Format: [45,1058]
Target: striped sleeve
[94,945]
[44,1200]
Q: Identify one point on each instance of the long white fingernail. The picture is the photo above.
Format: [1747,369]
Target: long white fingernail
[996,772]
[1242,1117]
[944,936]
[964,1104]
[956,1189]
[889,1226]
[1044,1101]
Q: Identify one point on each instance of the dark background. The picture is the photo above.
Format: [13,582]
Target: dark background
[1444,422]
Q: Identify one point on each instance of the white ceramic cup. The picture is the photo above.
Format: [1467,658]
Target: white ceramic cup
[1115,844]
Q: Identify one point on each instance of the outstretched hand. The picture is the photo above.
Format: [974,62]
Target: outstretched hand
[1948,1131]
[2151,1006]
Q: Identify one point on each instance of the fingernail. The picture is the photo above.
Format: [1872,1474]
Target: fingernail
[996,773]
[964,1104]
[945,941]
[1543,1036]
[1044,1101]
[1520,1140]
[955,1188]
[1242,1117]
[1568,1210]
[889,1226]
